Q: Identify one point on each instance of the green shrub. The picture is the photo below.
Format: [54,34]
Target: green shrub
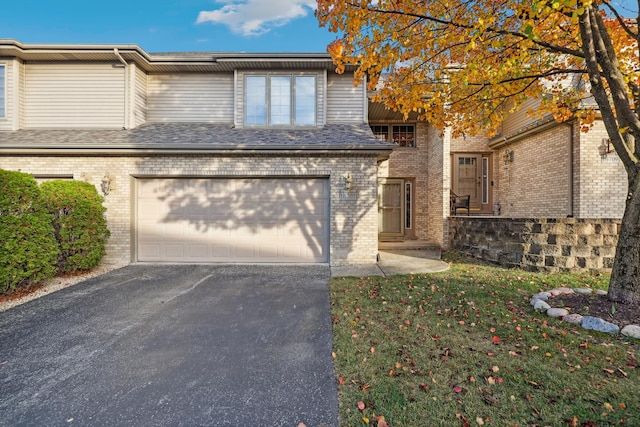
[79,223]
[28,250]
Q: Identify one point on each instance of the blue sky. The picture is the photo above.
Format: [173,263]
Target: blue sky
[177,25]
[169,25]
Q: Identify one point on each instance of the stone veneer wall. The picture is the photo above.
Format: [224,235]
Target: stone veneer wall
[537,244]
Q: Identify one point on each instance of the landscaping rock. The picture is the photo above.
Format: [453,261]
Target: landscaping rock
[601,292]
[540,305]
[585,291]
[632,331]
[561,291]
[557,312]
[597,324]
[542,296]
[573,318]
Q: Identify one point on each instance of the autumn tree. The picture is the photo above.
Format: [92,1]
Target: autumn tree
[464,65]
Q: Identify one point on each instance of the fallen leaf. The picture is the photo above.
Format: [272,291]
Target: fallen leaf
[491,380]
[496,339]
[457,389]
[361,405]
[608,407]
[382,422]
[480,421]
[365,420]
[340,380]
[495,368]
[465,422]
[302,425]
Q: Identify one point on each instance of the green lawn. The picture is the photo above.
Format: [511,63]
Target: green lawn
[464,347]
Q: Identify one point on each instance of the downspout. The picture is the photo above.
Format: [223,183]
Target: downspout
[126,83]
[325,87]
[235,98]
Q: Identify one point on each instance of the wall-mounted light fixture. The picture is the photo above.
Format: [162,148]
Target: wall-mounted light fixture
[604,148]
[105,185]
[507,157]
[348,182]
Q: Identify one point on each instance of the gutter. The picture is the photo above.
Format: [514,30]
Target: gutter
[529,130]
[127,149]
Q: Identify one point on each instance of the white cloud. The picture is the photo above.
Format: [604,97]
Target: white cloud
[256,17]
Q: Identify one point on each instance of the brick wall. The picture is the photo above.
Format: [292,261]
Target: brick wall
[353,223]
[410,163]
[540,244]
[559,172]
[537,183]
[439,183]
[601,182]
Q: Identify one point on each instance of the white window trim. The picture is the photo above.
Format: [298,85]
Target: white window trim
[4,94]
[292,104]
[390,133]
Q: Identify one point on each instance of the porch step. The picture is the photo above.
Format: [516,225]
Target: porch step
[402,245]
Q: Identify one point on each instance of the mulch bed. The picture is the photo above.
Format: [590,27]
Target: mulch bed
[599,306]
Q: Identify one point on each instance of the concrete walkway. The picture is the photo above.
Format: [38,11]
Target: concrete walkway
[396,262]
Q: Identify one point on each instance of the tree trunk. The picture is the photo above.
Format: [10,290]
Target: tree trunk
[625,275]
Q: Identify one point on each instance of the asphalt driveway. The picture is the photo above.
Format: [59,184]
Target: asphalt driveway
[173,346]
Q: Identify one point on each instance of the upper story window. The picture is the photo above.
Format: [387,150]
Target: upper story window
[400,135]
[280,100]
[2,90]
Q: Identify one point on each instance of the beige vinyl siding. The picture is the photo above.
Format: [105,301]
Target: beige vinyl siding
[190,98]
[74,96]
[519,120]
[345,102]
[320,93]
[140,97]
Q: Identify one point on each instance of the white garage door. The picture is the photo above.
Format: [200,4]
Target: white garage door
[232,220]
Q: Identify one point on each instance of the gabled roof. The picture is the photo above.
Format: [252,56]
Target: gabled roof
[166,62]
[192,137]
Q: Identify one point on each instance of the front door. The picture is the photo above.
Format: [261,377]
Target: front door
[471,177]
[391,207]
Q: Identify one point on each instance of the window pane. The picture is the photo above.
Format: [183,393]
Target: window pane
[2,86]
[404,136]
[305,100]
[280,100]
[381,132]
[256,100]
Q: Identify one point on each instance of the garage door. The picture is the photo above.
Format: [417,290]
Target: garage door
[232,220]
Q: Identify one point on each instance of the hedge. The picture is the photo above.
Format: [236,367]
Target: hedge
[28,249]
[79,223]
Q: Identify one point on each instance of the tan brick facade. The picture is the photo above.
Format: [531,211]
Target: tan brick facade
[353,223]
[558,172]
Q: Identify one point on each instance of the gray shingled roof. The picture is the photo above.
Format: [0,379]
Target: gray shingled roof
[197,137]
